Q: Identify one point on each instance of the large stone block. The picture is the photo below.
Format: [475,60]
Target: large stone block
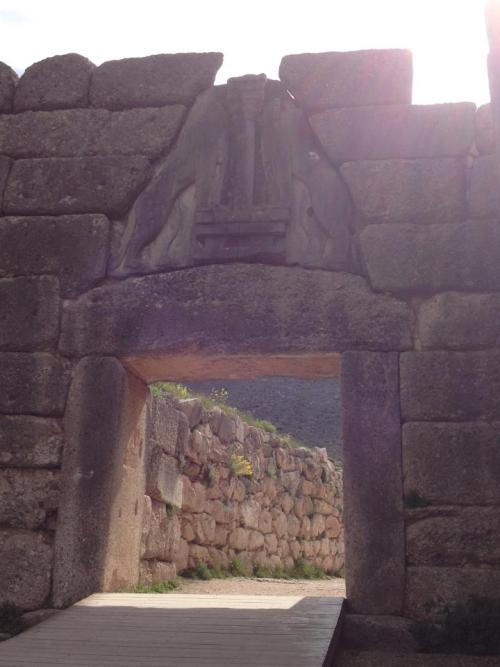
[74,247]
[407,191]
[28,497]
[373,485]
[466,455]
[396,131]
[26,567]
[34,384]
[30,442]
[102,184]
[484,190]
[5,165]
[156,572]
[59,82]
[164,429]
[163,479]
[465,536]
[458,321]
[80,132]
[153,81]
[450,386]
[430,590]
[372,632]
[485,130]
[164,534]
[99,523]
[246,308]
[413,258]
[30,313]
[8,82]
[348,79]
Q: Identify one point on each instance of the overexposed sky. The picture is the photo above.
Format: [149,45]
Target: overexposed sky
[447,37]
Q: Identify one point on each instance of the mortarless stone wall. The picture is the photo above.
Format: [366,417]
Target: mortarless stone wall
[150,220]
[199,511]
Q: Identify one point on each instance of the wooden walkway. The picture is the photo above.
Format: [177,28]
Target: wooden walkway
[175,630]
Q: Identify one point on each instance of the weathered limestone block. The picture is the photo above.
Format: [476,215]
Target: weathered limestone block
[280,523]
[30,313]
[30,442]
[203,526]
[74,247]
[357,78]
[27,497]
[396,131]
[484,197]
[193,496]
[296,310]
[181,555]
[153,81]
[317,525]
[255,540]
[193,409]
[450,386]
[333,527]
[221,536]
[429,590]
[59,82]
[153,572]
[465,536]
[413,258]
[197,555]
[457,321]
[164,428]
[238,539]
[287,502]
[250,513]
[102,479]
[163,478]
[8,82]
[5,165]
[101,184]
[375,541]
[407,191]
[371,632]
[164,534]
[293,525]
[35,384]
[26,565]
[82,132]
[467,455]
[485,130]
[147,516]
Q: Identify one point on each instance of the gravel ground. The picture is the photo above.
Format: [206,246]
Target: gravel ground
[249,586]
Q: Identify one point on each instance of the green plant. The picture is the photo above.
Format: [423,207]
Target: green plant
[162,587]
[11,618]
[305,570]
[240,466]
[204,572]
[219,396]
[175,390]
[413,500]
[471,628]
[238,568]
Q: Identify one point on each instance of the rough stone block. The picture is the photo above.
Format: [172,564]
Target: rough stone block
[349,79]
[465,536]
[466,455]
[457,321]
[429,590]
[74,247]
[80,132]
[8,82]
[104,427]
[371,632]
[484,190]
[485,130]
[163,425]
[103,184]
[432,258]
[396,131]
[297,310]
[153,81]
[163,480]
[450,386]
[34,384]
[5,165]
[164,534]
[407,191]
[26,566]
[156,572]
[30,313]
[28,497]
[30,442]
[373,486]
[59,82]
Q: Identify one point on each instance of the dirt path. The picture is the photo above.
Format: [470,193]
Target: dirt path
[245,586]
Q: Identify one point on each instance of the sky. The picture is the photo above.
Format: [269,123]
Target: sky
[447,37]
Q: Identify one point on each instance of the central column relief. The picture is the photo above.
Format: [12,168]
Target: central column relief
[245,182]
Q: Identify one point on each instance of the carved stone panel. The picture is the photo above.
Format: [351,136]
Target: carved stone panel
[246,182]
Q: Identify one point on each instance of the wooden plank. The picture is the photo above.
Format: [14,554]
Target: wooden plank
[107,630]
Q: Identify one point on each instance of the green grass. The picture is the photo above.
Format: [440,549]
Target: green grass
[162,587]
[237,568]
[205,573]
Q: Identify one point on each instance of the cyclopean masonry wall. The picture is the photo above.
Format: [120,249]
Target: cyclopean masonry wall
[200,507]
[155,226]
